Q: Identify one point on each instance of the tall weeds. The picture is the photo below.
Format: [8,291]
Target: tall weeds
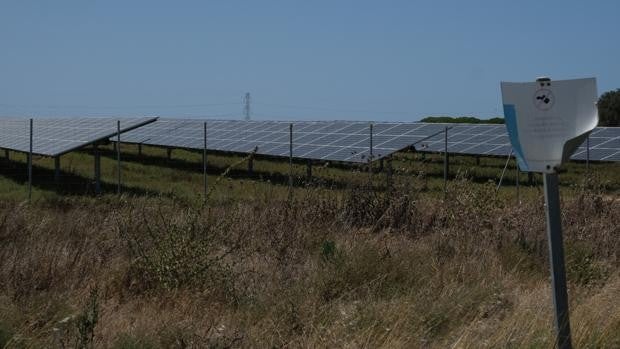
[374,269]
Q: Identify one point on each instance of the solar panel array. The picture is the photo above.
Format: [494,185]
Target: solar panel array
[604,145]
[492,140]
[347,141]
[321,140]
[56,136]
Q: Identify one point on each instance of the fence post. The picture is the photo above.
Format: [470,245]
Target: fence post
[388,174]
[290,162]
[370,156]
[118,156]
[30,164]
[588,154]
[97,159]
[517,181]
[445,164]
[56,168]
[204,161]
[309,171]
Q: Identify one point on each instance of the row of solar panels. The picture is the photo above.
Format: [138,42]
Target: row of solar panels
[347,141]
[54,137]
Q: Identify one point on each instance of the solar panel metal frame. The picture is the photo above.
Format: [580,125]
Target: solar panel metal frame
[134,123]
[343,141]
[495,139]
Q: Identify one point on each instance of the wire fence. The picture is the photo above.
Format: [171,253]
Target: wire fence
[111,166]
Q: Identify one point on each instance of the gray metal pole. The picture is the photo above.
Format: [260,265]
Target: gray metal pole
[370,157]
[56,168]
[517,182]
[290,161]
[204,161]
[556,259]
[588,153]
[445,164]
[388,173]
[97,169]
[118,156]
[30,165]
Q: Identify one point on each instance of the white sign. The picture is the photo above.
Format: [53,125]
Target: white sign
[548,120]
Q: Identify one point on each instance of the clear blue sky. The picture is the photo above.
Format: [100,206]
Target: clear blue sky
[366,60]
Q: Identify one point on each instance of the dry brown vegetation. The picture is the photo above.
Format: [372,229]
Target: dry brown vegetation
[367,270]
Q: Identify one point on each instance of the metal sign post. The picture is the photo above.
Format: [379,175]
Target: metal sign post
[546,122]
[556,259]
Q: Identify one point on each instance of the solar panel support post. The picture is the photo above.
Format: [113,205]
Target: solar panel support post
[588,154]
[168,154]
[139,149]
[56,168]
[204,162]
[446,169]
[30,164]
[556,259]
[290,162]
[388,174]
[6,154]
[370,156]
[118,157]
[251,165]
[97,158]
[517,182]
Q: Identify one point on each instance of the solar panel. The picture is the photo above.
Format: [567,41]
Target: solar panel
[604,145]
[56,136]
[493,140]
[347,141]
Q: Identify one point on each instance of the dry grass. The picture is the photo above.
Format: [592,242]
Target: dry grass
[358,271]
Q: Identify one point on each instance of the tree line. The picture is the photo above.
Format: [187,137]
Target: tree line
[608,113]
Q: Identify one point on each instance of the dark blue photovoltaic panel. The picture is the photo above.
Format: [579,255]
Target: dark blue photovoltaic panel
[347,141]
[56,136]
[322,140]
[493,140]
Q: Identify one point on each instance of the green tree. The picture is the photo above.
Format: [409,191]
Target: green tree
[609,108]
[462,120]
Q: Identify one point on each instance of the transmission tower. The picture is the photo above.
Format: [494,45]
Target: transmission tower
[246,106]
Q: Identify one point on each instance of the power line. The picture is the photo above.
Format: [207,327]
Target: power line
[75,106]
[291,106]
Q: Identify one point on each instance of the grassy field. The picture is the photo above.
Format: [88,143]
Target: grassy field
[345,263]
